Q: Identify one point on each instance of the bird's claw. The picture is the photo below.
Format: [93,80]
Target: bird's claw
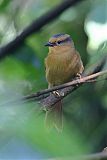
[78,76]
[58,94]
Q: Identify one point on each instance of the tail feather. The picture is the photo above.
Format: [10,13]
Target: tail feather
[54,117]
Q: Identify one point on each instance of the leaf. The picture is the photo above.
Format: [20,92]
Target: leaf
[96,25]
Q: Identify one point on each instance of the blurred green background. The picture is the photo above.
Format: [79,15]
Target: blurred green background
[22,131]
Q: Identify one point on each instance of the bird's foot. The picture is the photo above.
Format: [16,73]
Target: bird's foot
[58,94]
[78,76]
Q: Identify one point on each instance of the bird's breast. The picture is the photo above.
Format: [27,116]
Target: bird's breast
[57,68]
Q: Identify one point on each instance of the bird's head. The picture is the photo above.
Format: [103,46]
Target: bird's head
[60,41]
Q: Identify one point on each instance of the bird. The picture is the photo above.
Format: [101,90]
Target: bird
[62,64]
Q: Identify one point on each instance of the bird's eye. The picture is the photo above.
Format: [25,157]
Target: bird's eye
[59,42]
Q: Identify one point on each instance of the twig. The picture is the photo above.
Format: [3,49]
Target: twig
[69,87]
[94,156]
[48,100]
[72,83]
[36,26]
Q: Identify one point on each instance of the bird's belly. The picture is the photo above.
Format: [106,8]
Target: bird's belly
[58,74]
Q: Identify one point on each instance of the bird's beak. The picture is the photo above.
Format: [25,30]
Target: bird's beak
[49,44]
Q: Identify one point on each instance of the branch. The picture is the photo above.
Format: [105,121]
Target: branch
[94,156]
[36,26]
[72,83]
[67,88]
[47,99]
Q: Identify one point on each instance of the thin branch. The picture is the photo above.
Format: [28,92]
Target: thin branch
[94,156]
[69,87]
[36,26]
[47,99]
[72,83]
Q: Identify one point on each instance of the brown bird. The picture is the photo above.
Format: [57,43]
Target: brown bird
[63,63]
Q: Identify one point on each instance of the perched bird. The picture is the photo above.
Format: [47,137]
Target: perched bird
[63,63]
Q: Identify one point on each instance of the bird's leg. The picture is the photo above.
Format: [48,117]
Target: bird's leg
[56,93]
[78,76]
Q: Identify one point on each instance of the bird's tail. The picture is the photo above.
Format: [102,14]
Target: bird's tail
[54,117]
